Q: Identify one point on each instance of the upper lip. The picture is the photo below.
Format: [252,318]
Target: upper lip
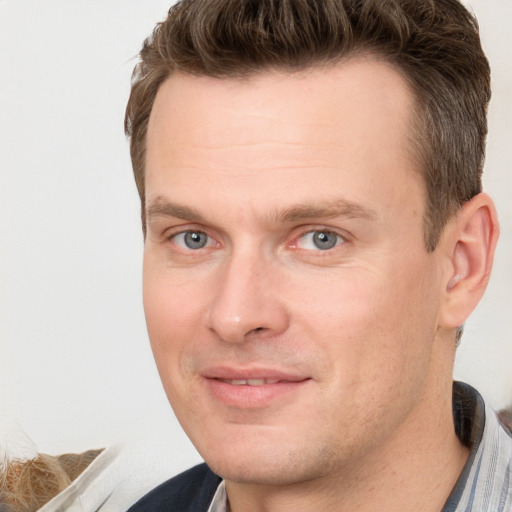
[233,373]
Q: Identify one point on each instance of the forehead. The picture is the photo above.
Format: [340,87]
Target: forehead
[350,122]
[372,87]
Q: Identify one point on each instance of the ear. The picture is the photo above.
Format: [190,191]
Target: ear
[470,242]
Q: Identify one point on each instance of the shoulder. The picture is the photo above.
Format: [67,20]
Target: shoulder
[192,490]
[491,474]
[485,484]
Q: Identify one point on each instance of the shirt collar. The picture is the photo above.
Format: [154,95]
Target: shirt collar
[220,502]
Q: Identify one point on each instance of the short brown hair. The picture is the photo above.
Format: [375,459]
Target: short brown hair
[433,43]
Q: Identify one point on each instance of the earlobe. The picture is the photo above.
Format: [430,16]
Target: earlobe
[471,245]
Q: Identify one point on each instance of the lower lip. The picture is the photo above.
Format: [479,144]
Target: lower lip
[252,397]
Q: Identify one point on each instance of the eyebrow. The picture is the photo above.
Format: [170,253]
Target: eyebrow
[161,207]
[330,210]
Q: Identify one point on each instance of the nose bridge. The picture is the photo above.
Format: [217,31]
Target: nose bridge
[245,300]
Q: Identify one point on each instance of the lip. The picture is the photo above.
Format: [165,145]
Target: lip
[224,385]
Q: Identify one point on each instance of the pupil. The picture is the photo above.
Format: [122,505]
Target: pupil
[324,240]
[195,240]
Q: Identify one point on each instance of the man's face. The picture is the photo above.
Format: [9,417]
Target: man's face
[290,301]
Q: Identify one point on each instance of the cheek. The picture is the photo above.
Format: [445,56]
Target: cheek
[370,328]
[172,297]
[369,319]
[172,308]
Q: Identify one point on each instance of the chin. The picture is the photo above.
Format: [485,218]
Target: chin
[268,464]
[252,472]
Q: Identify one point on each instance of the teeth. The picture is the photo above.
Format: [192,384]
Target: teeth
[250,382]
[256,382]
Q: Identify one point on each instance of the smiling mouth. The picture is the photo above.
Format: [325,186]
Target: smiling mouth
[252,388]
[255,392]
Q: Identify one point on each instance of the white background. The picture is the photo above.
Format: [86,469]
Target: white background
[76,371]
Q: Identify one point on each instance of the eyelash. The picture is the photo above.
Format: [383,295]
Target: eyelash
[341,239]
[175,236]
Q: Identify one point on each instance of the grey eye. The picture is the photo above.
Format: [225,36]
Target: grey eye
[320,240]
[325,240]
[195,239]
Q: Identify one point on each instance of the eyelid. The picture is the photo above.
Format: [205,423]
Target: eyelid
[172,231]
[171,235]
[299,232]
[182,240]
[310,230]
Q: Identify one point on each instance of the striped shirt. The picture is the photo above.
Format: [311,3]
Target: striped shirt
[485,484]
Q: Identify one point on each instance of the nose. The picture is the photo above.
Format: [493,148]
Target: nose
[247,301]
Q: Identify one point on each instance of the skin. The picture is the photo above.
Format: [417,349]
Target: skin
[365,329]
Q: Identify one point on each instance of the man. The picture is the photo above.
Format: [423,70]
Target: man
[315,237]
